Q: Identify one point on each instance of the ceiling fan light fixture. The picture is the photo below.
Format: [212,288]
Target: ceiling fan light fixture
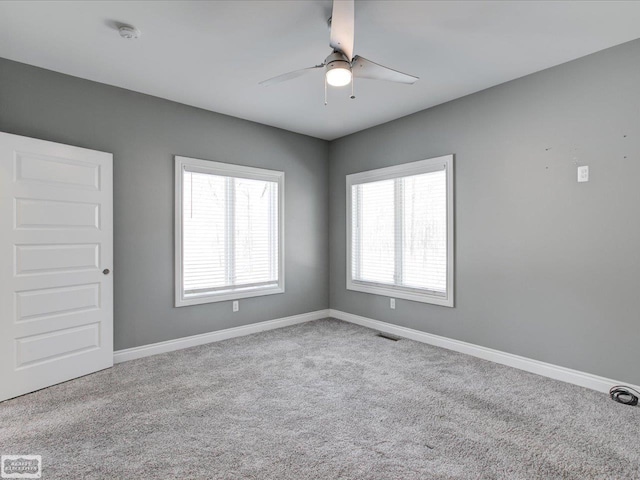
[339,73]
[341,66]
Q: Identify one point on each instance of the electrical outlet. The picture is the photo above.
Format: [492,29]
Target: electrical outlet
[392,303]
[583,173]
[236,305]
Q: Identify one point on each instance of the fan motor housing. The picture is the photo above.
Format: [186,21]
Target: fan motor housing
[337,60]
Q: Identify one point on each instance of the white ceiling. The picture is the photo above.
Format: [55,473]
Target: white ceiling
[213,54]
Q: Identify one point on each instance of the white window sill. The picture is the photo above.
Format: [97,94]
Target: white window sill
[227,295]
[399,292]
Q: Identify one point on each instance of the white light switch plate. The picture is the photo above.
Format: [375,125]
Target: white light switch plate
[583,173]
[392,303]
[236,305]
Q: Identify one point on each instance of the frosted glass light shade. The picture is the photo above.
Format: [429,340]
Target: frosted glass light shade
[339,76]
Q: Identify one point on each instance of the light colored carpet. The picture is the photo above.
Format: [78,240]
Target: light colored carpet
[321,400]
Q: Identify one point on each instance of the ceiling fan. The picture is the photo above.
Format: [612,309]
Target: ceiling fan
[341,66]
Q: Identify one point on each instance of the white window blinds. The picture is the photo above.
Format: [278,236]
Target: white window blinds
[374,240]
[423,207]
[400,231]
[230,234]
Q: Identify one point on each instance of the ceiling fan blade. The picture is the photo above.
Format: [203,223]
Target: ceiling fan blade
[342,24]
[363,68]
[288,76]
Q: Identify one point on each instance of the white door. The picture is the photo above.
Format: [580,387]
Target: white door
[56,253]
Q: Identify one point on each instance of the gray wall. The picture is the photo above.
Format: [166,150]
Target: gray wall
[144,133]
[545,267]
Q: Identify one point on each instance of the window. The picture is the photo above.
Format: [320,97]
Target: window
[400,231]
[229,231]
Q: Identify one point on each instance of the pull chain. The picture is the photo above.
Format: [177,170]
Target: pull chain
[325,90]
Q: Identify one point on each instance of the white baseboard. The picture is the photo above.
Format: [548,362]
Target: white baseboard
[194,340]
[556,372]
[568,375]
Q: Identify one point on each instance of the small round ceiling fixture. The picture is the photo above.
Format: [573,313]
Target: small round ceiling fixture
[129,32]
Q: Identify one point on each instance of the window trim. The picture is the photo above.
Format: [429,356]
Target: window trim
[225,169]
[395,171]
